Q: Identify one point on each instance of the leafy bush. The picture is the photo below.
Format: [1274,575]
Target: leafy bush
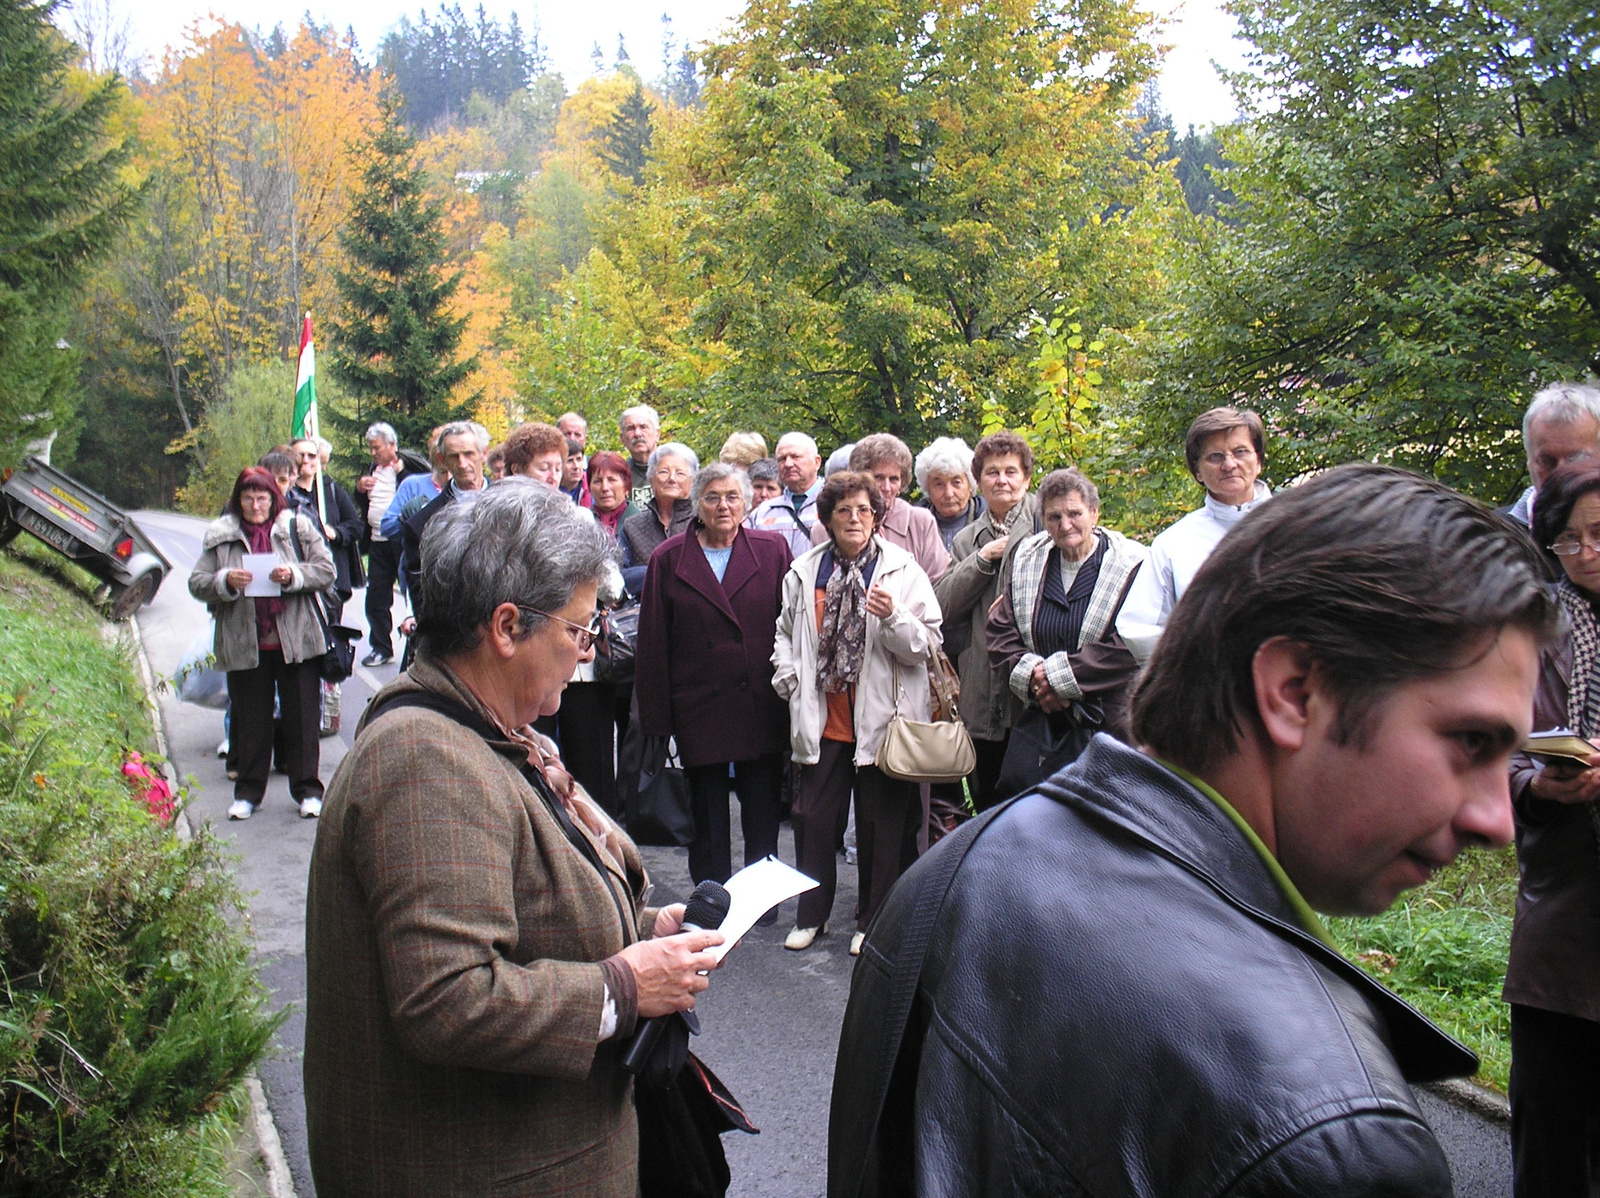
[1443,949]
[129,1011]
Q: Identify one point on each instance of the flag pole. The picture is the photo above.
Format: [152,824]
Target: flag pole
[306,423]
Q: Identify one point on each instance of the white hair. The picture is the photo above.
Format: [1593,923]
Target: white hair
[672,449]
[642,410]
[462,428]
[383,431]
[572,416]
[1561,403]
[807,442]
[839,459]
[944,455]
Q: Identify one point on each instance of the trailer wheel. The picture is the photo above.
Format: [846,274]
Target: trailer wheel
[129,599]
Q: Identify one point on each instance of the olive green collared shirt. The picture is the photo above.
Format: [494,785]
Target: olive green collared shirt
[1302,909]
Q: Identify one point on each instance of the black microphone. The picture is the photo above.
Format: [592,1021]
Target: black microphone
[707,908]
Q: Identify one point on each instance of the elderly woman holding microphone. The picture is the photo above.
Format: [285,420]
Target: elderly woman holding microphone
[478,950]
[858,628]
[703,670]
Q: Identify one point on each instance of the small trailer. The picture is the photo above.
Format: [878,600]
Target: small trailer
[84,526]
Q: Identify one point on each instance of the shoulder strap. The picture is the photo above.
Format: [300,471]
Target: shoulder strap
[300,555]
[928,903]
[454,709]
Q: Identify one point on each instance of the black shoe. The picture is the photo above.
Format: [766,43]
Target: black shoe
[376,658]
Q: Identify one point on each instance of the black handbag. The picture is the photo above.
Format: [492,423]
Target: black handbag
[614,647]
[658,812]
[1043,743]
[680,1128]
[339,641]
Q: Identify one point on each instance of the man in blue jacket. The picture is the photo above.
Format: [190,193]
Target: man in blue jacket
[1127,990]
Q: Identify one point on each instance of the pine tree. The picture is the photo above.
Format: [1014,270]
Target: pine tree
[395,345]
[625,142]
[62,204]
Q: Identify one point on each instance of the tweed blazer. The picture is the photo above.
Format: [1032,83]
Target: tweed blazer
[453,987]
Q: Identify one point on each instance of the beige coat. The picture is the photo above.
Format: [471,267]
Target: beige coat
[905,640]
[223,549]
[453,988]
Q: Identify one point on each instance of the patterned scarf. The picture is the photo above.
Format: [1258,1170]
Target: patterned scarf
[1583,696]
[844,622]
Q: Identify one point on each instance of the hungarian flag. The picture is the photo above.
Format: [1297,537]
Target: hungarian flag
[305,386]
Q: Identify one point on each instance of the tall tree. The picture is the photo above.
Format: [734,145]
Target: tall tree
[395,342]
[625,141]
[1416,243]
[62,203]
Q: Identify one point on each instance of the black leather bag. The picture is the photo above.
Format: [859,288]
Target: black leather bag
[614,647]
[659,811]
[339,655]
[680,1128]
[1041,744]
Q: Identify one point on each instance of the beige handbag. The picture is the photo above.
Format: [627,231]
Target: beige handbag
[926,751]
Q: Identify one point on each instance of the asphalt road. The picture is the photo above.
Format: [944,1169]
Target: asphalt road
[771,1018]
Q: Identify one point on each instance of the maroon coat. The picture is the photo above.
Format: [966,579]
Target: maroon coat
[703,667]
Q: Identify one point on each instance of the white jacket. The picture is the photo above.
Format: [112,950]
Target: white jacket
[1175,557]
[908,637]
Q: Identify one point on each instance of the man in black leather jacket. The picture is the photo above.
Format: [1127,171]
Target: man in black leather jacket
[1126,990]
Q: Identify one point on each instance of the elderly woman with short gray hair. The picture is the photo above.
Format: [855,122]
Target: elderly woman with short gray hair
[703,668]
[670,471]
[477,946]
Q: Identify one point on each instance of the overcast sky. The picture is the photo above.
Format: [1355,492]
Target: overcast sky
[1200,33]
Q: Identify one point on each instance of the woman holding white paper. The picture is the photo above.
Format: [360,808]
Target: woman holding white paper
[268,643]
[1553,977]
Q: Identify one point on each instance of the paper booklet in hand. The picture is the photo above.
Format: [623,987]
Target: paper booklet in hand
[756,889]
[1557,744]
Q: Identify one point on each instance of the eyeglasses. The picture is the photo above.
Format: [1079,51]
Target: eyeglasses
[729,499]
[583,635]
[1570,544]
[1243,454]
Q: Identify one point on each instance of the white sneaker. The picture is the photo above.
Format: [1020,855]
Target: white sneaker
[856,942]
[800,939]
[241,809]
[222,749]
[310,808]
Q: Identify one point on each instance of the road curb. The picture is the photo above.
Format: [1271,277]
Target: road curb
[280,1182]
[1479,1100]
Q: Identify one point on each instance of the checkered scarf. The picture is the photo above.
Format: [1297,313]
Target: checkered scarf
[1583,696]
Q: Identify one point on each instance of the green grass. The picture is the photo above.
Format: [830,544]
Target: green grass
[129,1009]
[1443,949]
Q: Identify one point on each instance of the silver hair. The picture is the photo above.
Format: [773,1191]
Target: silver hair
[944,455]
[715,472]
[671,449]
[383,431]
[324,446]
[578,416]
[805,439]
[522,543]
[466,428]
[1562,403]
[640,409]
[838,460]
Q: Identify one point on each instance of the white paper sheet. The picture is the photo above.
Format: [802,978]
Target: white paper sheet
[756,889]
[260,566]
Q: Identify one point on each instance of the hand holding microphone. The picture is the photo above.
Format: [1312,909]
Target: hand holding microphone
[669,970]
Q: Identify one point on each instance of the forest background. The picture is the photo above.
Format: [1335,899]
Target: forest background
[847,216]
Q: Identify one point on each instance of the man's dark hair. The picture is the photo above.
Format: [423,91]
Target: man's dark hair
[279,463]
[842,484]
[1384,576]
[998,445]
[1223,420]
[1563,487]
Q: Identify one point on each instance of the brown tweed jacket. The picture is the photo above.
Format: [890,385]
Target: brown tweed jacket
[454,994]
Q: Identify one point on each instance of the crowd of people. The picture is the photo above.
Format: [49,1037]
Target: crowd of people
[477,910]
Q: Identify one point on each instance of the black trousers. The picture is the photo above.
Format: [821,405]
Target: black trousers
[586,727]
[1555,1104]
[299,688]
[383,567]
[888,813]
[991,756]
[757,782]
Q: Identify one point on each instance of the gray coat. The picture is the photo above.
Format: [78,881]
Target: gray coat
[966,593]
[223,549]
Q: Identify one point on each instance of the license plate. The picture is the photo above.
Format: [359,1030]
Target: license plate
[47,531]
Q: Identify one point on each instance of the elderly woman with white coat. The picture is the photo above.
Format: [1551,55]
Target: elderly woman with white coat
[858,627]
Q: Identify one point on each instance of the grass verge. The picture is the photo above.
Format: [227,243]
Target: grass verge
[1443,949]
[129,1011]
